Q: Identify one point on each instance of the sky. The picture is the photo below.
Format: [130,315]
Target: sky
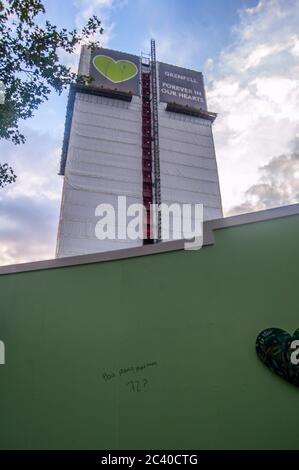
[248,51]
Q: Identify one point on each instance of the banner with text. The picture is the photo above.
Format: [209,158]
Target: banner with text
[181,86]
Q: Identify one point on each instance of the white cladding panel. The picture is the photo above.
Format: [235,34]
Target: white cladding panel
[103,162]
[188,165]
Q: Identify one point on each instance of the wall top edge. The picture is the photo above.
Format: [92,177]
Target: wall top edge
[208,229]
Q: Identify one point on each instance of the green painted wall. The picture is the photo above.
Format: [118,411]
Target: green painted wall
[195,314]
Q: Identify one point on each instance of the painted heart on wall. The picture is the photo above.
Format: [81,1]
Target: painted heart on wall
[116,71]
[279,351]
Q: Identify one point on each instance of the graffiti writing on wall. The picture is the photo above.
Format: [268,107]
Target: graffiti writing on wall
[136,383]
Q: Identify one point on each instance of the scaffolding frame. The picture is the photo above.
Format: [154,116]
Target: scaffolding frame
[155,138]
[147,182]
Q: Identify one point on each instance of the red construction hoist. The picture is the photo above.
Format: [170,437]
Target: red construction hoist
[147,149]
[156,145]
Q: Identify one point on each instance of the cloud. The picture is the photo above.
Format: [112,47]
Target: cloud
[89,8]
[278,185]
[85,10]
[103,9]
[182,49]
[29,209]
[27,229]
[255,89]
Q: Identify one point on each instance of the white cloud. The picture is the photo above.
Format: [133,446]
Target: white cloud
[103,9]
[86,9]
[259,20]
[255,89]
[179,49]
[91,7]
[261,52]
[278,185]
[28,229]
[295,48]
[29,208]
[253,10]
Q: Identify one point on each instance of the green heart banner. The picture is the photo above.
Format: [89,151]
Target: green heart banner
[117,71]
[279,351]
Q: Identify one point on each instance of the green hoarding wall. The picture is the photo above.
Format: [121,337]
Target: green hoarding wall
[175,335]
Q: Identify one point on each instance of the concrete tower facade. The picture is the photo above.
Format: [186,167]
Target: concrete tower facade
[114,135]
